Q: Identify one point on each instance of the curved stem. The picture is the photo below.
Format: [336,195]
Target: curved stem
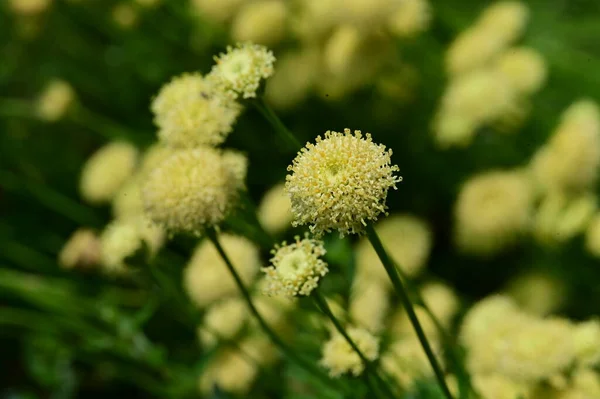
[324,307]
[392,272]
[212,235]
[266,111]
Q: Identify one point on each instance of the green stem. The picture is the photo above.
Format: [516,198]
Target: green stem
[274,120]
[392,272]
[324,307]
[212,235]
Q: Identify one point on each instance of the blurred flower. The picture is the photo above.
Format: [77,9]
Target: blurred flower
[154,156]
[365,14]
[106,171]
[206,277]
[55,100]
[405,360]
[231,371]
[216,10]
[193,189]
[410,18]
[29,7]
[592,236]
[275,210]
[261,22]
[441,301]
[296,268]
[369,304]
[127,202]
[492,210]
[537,293]
[125,15]
[189,112]
[342,47]
[407,240]
[239,71]
[81,251]
[506,19]
[497,386]
[339,357]
[222,321]
[340,183]
[524,68]
[586,339]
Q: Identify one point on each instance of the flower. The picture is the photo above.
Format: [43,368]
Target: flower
[206,277]
[261,22]
[189,112]
[54,102]
[296,268]
[506,19]
[524,67]
[410,18]
[537,293]
[216,10]
[125,15]
[408,241]
[492,210]
[340,183]
[193,189]
[441,300]
[222,321]
[82,250]
[339,357]
[586,339]
[239,71]
[29,7]
[106,171]
[369,304]
[592,236]
[497,386]
[405,360]
[127,202]
[275,210]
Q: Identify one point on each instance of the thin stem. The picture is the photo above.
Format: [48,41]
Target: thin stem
[212,235]
[392,272]
[274,120]
[324,307]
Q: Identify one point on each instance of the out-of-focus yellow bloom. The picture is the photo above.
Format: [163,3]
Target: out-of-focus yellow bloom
[506,19]
[570,159]
[296,268]
[493,209]
[193,189]
[55,100]
[127,202]
[231,371]
[154,156]
[275,210]
[148,3]
[442,301]
[341,49]
[497,386]
[216,10]
[405,360]
[410,18]
[365,14]
[524,68]
[29,7]
[206,277]
[189,112]
[125,15]
[262,22]
[81,251]
[408,241]
[592,236]
[240,71]
[369,304]
[586,339]
[106,171]
[537,293]
[339,357]
[340,183]
[401,326]
[222,321]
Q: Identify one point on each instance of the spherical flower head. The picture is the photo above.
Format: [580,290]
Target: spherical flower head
[472,49]
[498,386]
[484,315]
[339,357]
[442,301]
[261,22]
[275,210]
[239,71]
[127,202]
[82,250]
[106,171]
[206,277]
[586,338]
[369,304]
[340,183]
[537,293]
[231,371]
[55,100]
[410,18]
[193,189]
[296,268]
[222,321]
[524,67]
[119,240]
[189,112]
[407,239]
[493,209]
[505,19]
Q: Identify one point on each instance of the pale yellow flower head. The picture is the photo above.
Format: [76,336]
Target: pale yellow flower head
[586,338]
[82,250]
[498,386]
[206,277]
[216,10]
[340,183]
[592,236]
[505,19]
[55,100]
[275,210]
[29,7]
[473,48]
[125,15]
[410,18]
[239,72]
[537,293]
[189,112]
[231,371]
[493,209]
[262,22]
[441,300]
[106,171]
[408,241]
[524,68]
[405,361]
[193,189]
[222,321]
[339,357]
[296,268]
[369,304]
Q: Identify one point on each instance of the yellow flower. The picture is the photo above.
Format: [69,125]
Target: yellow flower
[586,339]
[56,99]
[82,250]
[189,112]
[410,18]
[193,189]
[216,10]
[275,210]
[261,22]
[369,304]
[296,268]
[537,293]
[240,71]
[339,357]
[340,183]
[405,360]
[106,171]
[524,67]
[222,321]
[592,236]
[506,19]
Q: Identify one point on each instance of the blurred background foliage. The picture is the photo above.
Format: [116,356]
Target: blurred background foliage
[65,334]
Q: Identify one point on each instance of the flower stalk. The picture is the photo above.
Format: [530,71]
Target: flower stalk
[270,115]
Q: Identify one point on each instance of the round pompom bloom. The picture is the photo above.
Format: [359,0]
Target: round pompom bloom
[206,277]
[340,183]
[524,68]
[442,301]
[408,241]
[239,71]
[493,209]
[261,22]
[369,304]
[222,321]
[339,357]
[106,171]
[275,210]
[193,189]
[189,112]
[296,268]
[486,314]
[55,100]
[82,250]
[154,156]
